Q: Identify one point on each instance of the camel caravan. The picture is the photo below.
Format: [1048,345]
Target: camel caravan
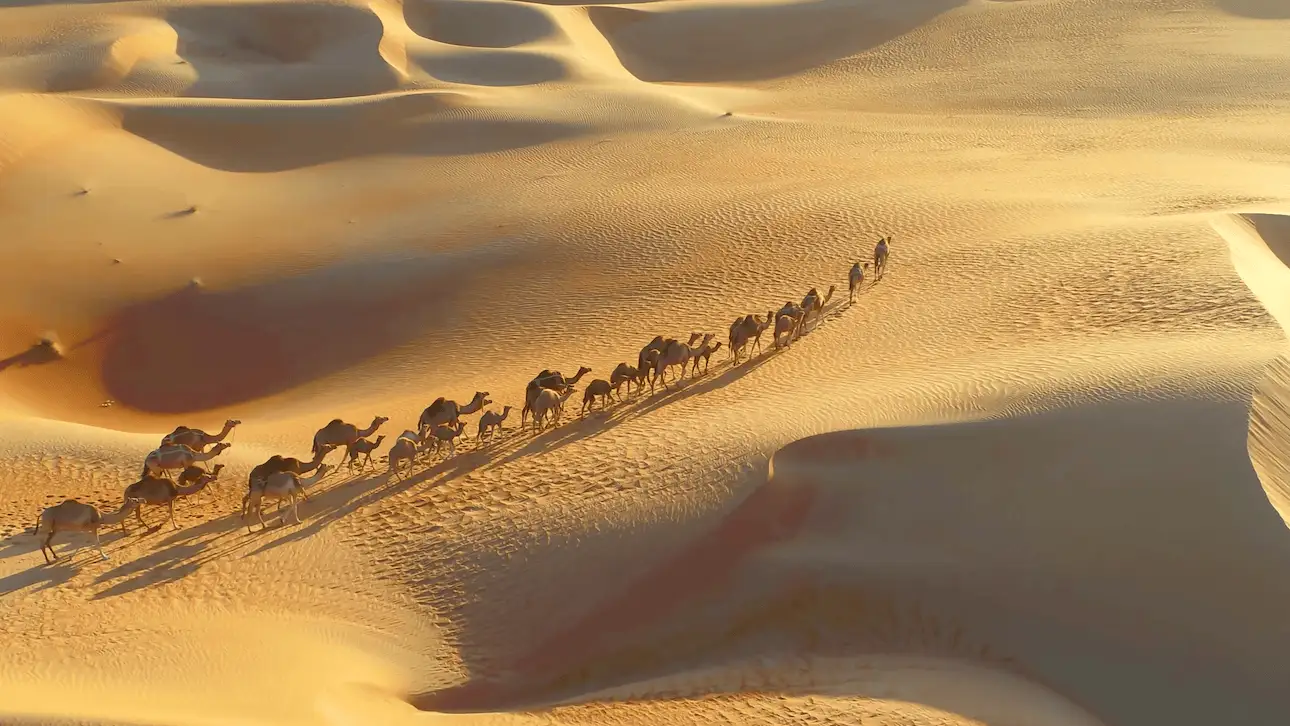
[285,480]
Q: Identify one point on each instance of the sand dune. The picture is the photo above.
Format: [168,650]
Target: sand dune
[1036,475]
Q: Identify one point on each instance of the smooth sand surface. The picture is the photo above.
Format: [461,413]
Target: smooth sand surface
[1036,476]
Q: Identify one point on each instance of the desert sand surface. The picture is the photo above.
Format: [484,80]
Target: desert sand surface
[1035,476]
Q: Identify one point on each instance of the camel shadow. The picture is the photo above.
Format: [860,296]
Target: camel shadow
[178,554]
[599,422]
[38,354]
[44,576]
[337,502]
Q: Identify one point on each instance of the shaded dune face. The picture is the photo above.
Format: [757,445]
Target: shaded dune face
[284,51]
[479,24]
[757,42]
[197,350]
[278,138]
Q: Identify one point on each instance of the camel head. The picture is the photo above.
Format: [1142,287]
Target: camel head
[707,338]
[582,371]
[694,337]
[378,420]
[215,470]
[506,411]
[377,443]
[231,423]
[217,448]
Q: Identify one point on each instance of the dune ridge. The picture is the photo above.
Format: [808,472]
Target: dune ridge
[1034,475]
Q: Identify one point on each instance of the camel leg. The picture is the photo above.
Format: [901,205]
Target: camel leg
[138,513]
[99,545]
[259,512]
[173,524]
[47,546]
[295,507]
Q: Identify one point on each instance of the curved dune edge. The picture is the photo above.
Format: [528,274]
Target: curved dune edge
[1260,248]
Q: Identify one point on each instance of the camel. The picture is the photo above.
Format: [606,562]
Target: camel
[274,465]
[363,448]
[491,421]
[157,490]
[624,374]
[855,279]
[748,328]
[282,486]
[676,353]
[546,402]
[704,352]
[880,252]
[447,412]
[787,321]
[73,516]
[445,432]
[406,448]
[338,433]
[644,360]
[813,304]
[548,379]
[599,388]
[196,439]
[170,458]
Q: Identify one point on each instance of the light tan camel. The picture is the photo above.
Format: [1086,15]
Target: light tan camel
[650,356]
[196,439]
[787,321]
[274,465]
[599,388]
[813,304]
[155,490]
[338,433]
[448,412]
[178,457]
[624,374]
[363,448]
[880,252]
[447,433]
[282,486]
[855,279]
[746,329]
[675,354]
[73,516]
[549,402]
[548,379]
[704,353]
[491,421]
[406,448]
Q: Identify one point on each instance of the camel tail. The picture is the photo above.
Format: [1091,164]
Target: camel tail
[39,520]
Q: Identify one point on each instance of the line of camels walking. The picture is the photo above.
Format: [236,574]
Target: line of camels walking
[174,469]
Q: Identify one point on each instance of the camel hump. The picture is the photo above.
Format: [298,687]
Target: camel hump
[334,422]
[179,430]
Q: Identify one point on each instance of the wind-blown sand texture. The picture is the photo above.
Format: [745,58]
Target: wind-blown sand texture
[1036,476]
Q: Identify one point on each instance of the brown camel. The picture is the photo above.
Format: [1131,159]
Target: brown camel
[196,439]
[274,465]
[548,379]
[447,412]
[155,490]
[447,433]
[813,304]
[338,433]
[546,402]
[855,279]
[748,328]
[73,516]
[363,448]
[704,352]
[491,421]
[624,373]
[282,486]
[599,388]
[176,458]
[786,322]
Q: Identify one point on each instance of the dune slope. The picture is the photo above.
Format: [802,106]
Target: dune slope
[1035,475]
